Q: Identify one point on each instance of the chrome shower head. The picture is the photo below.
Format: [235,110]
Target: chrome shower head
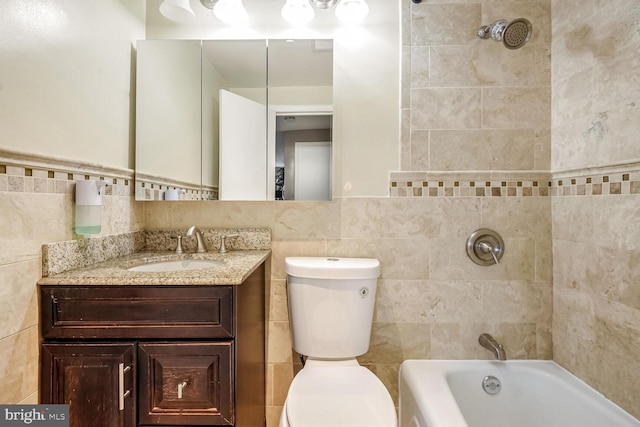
[513,35]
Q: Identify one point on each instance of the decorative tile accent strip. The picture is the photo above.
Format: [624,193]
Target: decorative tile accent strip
[470,184]
[71,254]
[26,173]
[150,187]
[604,181]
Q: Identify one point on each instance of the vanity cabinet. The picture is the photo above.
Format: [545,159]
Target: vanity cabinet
[143,355]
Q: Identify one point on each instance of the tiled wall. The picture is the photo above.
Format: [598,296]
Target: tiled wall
[36,207]
[432,301]
[596,225]
[470,104]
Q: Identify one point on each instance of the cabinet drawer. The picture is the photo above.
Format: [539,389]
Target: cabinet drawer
[136,312]
[186,383]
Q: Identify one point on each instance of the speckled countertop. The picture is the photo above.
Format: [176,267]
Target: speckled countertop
[236,267]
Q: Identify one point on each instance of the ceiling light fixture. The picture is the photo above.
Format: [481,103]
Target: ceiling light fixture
[347,11]
[297,12]
[323,4]
[177,10]
[231,12]
[352,11]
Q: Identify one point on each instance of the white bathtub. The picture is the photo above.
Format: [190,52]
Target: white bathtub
[533,393]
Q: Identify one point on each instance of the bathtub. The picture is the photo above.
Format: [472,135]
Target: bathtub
[528,393]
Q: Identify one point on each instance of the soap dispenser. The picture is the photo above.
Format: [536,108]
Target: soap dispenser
[89,206]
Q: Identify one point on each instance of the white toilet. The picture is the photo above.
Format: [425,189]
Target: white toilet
[330,313]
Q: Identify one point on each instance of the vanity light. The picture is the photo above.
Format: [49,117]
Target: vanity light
[177,10]
[352,11]
[294,11]
[297,11]
[323,4]
[347,11]
[231,12]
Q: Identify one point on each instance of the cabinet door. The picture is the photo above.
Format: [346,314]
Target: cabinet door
[97,381]
[186,383]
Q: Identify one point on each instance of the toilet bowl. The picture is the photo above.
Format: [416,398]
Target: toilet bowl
[337,396]
[331,310]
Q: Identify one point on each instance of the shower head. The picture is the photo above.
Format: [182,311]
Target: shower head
[513,35]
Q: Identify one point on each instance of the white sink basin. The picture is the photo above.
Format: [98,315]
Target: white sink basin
[180,265]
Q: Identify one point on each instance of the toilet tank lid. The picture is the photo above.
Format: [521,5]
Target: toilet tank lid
[332,267]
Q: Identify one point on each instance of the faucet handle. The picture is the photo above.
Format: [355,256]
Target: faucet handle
[223,240]
[178,243]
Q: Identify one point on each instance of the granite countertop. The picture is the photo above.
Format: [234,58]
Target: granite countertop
[236,267]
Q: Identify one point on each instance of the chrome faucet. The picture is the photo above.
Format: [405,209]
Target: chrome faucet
[488,342]
[201,247]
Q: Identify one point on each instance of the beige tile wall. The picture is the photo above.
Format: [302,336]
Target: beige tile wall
[596,226]
[471,104]
[36,207]
[432,301]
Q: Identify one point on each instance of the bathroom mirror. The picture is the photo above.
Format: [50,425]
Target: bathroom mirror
[205,130]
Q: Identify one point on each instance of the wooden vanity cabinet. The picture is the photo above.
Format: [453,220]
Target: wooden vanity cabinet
[171,355]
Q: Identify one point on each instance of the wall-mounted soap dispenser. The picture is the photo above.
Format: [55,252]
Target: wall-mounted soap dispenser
[89,206]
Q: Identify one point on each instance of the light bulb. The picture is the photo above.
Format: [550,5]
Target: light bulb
[177,10]
[231,12]
[352,11]
[297,11]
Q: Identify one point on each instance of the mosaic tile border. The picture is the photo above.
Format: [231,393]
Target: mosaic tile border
[24,173]
[150,187]
[470,184]
[457,188]
[600,184]
[603,181]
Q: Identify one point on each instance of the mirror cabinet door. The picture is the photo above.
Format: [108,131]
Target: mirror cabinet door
[234,98]
[300,124]
[168,119]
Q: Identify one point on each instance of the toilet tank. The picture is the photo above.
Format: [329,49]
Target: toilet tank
[331,304]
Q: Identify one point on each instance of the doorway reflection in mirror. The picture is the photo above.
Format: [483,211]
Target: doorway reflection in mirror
[303,156]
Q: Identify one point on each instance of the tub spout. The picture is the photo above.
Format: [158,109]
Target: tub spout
[488,342]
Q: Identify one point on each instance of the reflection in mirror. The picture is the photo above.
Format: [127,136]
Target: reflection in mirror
[204,129]
[234,112]
[168,119]
[303,156]
[300,119]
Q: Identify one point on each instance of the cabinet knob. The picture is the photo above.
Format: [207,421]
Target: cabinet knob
[181,387]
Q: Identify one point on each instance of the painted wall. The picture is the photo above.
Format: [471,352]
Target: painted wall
[59,87]
[596,221]
[65,105]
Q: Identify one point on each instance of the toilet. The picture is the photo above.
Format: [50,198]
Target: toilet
[330,313]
